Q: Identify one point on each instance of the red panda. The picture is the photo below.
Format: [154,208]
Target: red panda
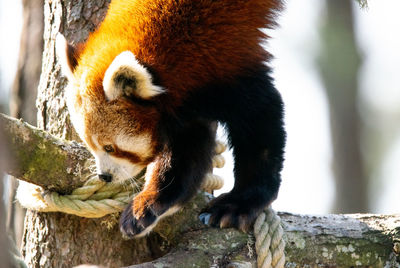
[146,87]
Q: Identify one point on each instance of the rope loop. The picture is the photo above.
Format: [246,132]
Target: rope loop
[96,199]
[269,244]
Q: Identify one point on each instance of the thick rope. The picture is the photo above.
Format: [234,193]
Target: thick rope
[96,199]
[212,182]
[269,240]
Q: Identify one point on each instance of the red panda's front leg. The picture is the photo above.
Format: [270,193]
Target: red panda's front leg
[172,179]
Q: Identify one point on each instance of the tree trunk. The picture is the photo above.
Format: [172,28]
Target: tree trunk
[24,92]
[339,63]
[327,241]
[61,240]
[24,89]
[4,254]
[55,239]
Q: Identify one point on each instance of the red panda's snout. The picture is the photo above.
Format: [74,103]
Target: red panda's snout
[117,170]
[123,159]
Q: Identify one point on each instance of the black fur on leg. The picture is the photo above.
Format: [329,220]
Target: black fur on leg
[252,111]
[175,178]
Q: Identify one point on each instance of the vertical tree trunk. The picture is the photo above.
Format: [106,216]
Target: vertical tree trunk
[4,257]
[61,240]
[339,64]
[24,91]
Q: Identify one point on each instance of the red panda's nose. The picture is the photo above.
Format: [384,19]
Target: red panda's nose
[105,177]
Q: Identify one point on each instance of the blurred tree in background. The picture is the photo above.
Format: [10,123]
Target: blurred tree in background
[339,62]
[4,257]
[24,91]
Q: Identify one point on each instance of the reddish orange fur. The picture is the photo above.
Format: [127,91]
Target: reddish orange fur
[189,45]
[221,40]
[147,197]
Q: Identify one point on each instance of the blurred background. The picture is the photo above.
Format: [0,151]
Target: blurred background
[337,67]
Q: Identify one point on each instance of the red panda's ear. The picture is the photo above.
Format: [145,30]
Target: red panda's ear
[126,77]
[67,55]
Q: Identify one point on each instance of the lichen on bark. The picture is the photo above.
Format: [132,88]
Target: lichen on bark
[45,160]
[332,240]
[59,240]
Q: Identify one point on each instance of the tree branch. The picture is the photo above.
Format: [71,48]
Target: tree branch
[43,159]
[333,240]
[327,241]
[4,243]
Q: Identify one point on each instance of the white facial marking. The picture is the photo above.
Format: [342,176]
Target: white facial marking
[140,144]
[125,65]
[121,169]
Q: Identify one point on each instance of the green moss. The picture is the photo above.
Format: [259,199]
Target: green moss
[39,159]
[339,251]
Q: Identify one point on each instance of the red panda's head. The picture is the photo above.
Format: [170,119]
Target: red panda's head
[120,133]
[188,45]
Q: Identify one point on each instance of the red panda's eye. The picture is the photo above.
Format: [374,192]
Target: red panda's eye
[108,148]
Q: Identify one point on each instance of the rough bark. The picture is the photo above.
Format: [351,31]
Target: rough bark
[4,254]
[75,19]
[54,239]
[333,240]
[339,63]
[44,159]
[59,240]
[3,237]
[23,93]
[311,241]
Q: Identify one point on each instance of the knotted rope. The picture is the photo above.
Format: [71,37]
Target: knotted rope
[269,240]
[96,199]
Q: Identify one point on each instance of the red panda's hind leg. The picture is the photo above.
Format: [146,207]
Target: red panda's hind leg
[254,122]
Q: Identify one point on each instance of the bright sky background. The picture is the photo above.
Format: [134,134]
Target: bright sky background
[307,185]
[307,182]
[379,38]
[10,27]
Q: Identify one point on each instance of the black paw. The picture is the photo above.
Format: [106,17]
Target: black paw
[229,210]
[132,226]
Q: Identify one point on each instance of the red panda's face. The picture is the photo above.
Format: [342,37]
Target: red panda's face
[122,144]
[120,133]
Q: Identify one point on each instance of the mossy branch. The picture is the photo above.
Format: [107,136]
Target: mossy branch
[333,240]
[43,159]
[357,240]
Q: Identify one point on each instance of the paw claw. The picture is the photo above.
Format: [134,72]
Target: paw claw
[131,227]
[128,223]
[230,211]
[205,218]
[225,221]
